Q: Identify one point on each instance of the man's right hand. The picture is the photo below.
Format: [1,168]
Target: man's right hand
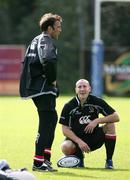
[54,83]
[83,146]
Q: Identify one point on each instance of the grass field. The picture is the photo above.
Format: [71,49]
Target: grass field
[18,128]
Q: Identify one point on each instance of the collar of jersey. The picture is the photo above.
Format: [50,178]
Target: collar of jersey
[78,100]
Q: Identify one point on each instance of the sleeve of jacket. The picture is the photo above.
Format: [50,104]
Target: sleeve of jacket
[50,69]
[49,61]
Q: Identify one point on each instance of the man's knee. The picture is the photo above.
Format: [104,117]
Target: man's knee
[109,128]
[68,147]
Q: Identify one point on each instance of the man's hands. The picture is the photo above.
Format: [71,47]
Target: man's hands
[83,146]
[90,127]
[54,83]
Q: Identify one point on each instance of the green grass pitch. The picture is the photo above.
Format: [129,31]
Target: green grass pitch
[18,128]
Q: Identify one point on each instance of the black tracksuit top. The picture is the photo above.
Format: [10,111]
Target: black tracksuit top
[39,68]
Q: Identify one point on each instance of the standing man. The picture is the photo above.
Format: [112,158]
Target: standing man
[80,124]
[38,81]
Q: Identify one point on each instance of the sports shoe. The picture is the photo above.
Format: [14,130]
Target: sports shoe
[109,164]
[45,167]
[4,165]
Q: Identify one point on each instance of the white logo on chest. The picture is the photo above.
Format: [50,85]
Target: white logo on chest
[84,119]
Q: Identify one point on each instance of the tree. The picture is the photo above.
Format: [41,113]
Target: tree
[115,24]
[19,24]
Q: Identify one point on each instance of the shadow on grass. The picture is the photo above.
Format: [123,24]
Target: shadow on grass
[78,172]
[103,169]
[73,174]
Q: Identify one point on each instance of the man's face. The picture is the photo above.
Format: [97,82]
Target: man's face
[82,89]
[56,30]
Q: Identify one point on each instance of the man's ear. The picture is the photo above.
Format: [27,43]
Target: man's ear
[50,29]
[75,90]
[90,88]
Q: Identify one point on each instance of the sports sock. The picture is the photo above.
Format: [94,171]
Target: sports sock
[47,154]
[38,160]
[79,153]
[110,141]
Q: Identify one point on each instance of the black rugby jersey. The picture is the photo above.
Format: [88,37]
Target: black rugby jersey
[77,117]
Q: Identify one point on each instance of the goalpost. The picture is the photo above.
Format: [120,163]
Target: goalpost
[97,51]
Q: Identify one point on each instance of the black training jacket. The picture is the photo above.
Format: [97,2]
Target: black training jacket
[39,68]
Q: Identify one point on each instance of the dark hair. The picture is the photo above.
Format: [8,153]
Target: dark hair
[49,22]
[49,19]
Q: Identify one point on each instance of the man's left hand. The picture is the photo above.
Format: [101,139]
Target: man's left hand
[90,127]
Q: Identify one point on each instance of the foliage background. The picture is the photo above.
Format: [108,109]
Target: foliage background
[19,24]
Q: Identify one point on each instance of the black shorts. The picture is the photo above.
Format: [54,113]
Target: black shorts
[96,139]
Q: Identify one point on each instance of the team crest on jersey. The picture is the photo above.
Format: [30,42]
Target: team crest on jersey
[77,112]
[84,119]
[91,109]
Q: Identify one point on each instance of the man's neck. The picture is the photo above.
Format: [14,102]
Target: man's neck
[82,101]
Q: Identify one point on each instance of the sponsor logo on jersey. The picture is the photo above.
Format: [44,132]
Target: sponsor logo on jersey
[78,112]
[84,119]
[91,109]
